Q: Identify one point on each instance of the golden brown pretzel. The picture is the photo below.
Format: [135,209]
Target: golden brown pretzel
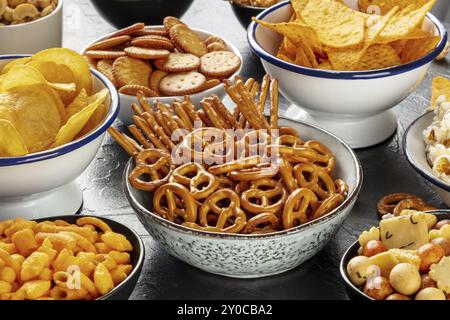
[264,191]
[304,181]
[285,169]
[300,204]
[341,187]
[262,223]
[289,141]
[154,163]
[174,200]
[325,186]
[388,203]
[328,205]
[214,204]
[239,164]
[413,204]
[223,224]
[225,182]
[255,142]
[320,148]
[194,175]
[262,170]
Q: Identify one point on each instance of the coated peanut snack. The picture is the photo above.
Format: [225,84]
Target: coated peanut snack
[171,61]
[14,12]
[56,260]
[407,257]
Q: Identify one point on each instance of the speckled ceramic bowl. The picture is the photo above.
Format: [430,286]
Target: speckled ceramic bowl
[254,256]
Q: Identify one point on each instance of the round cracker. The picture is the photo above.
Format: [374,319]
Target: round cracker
[187,40]
[146,53]
[128,71]
[179,84]
[219,63]
[132,90]
[212,39]
[104,54]
[170,21]
[179,62]
[110,43]
[155,80]
[150,32]
[105,66]
[128,30]
[156,42]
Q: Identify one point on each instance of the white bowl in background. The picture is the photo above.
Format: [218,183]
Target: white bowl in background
[414,148]
[126,100]
[254,256]
[353,105]
[33,36]
[43,183]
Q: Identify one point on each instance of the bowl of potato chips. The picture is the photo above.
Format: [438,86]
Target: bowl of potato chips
[344,69]
[54,112]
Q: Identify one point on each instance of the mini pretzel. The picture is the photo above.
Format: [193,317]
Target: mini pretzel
[242,186]
[325,186]
[303,152]
[300,204]
[194,175]
[289,141]
[304,181]
[154,163]
[286,174]
[222,224]
[317,146]
[413,204]
[264,191]
[388,203]
[239,164]
[287,131]
[341,187]
[178,202]
[263,170]
[225,182]
[262,223]
[328,205]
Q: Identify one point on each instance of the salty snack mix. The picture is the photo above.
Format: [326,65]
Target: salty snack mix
[437,135]
[232,172]
[172,61]
[56,260]
[22,11]
[328,35]
[47,101]
[256,3]
[406,257]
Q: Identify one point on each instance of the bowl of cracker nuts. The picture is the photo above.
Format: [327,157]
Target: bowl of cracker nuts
[27,27]
[164,62]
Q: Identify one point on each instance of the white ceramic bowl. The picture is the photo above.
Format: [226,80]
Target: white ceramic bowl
[43,183]
[253,256]
[353,105]
[34,36]
[414,149]
[126,100]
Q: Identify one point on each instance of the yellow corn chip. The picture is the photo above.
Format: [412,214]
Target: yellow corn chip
[288,46]
[379,56]
[325,65]
[301,59]
[439,87]
[398,45]
[418,48]
[284,57]
[11,143]
[383,6]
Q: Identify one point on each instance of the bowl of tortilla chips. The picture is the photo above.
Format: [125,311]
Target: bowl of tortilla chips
[54,112]
[344,67]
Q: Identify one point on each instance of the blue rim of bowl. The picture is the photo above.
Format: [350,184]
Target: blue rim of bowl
[352,197]
[436,181]
[343,268]
[344,75]
[69,147]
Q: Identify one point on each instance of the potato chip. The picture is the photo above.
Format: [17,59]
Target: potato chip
[439,87]
[79,103]
[35,114]
[337,25]
[378,56]
[95,120]
[76,123]
[11,143]
[56,73]
[15,63]
[74,61]
[383,6]
[418,48]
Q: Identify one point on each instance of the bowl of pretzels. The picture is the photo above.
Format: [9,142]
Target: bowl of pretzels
[234,192]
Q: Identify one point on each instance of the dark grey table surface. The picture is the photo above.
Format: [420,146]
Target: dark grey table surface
[164,277]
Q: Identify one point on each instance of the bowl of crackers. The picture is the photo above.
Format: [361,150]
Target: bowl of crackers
[164,62]
[54,112]
[347,81]
[236,193]
[23,24]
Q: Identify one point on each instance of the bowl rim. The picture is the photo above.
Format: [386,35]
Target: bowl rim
[73,145]
[140,258]
[354,245]
[351,198]
[234,49]
[30,23]
[411,156]
[343,75]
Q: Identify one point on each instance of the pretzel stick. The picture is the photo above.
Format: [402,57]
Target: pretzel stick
[187,104]
[212,115]
[254,111]
[142,124]
[236,97]
[274,104]
[222,111]
[202,115]
[170,122]
[254,90]
[133,143]
[159,131]
[137,109]
[160,120]
[124,143]
[164,108]
[183,115]
[263,94]
[139,136]
[180,123]
[143,101]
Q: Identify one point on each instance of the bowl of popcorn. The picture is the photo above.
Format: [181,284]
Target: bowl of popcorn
[164,62]
[406,258]
[68,258]
[347,81]
[426,141]
[244,10]
[27,27]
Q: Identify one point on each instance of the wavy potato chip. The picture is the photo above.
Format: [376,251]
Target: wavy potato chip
[15,63]
[440,86]
[76,123]
[79,103]
[11,143]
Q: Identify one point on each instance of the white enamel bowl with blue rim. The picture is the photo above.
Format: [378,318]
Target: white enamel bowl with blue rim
[254,256]
[353,105]
[43,183]
[126,100]
[414,148]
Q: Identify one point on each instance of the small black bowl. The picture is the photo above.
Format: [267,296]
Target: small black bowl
[126,287]
[245,13]
[352,290]
[122,13]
